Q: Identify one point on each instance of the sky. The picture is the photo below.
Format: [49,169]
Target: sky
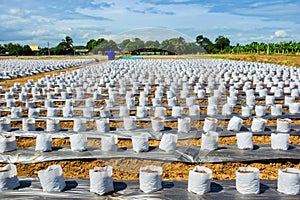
[37,22]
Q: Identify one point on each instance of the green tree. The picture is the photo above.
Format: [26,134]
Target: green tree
[27,50]
[167,45]
[123,44]
[193,48]
[13,49]
[222,42]
[205,43]
[2,49]
[91,44]
[136,44]
[68,45]
[60,49]
[152,44]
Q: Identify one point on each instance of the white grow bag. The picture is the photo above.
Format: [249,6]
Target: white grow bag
[294,108]
[105,112]
[244,140]
[177,111]
[52,112]
[194,110]
[227,109]
[141,111]
[101,181]
[150,178]
[280,141]
[7,142]
[289,181]
[199,180]
[143,101]
[78,142]
[109,103]
[250,100]
[103,125]
[52,125]
[157,123]
[68,111]
[79,125]
[156,102]
[276,109]
[209,141]
[184,125]
[8,177]
[258,124]
[28,124]
[52,179]
[260,111]
[89,102]
[140,143]
[5,124]
[123,111]
[88,112]
[168,142]
[247,180]
[109,143]
[270,100]
[160,112]
[33,112]
[210,124]
[190,101]
[16,112]
[235,124]
[129,123]
[232,100]
[284,125]
[212,110]
[246,111]
[43,142]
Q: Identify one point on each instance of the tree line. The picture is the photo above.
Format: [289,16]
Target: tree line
[178,46]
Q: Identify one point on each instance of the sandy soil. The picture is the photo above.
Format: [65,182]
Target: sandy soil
[128,169]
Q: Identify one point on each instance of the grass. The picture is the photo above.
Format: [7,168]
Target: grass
[288,60]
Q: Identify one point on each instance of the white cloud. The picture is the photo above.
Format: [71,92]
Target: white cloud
[280,33]
[14,11]
[83,20]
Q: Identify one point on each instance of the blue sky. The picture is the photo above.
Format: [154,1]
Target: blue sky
[36,22]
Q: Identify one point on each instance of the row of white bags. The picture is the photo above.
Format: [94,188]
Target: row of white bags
[109,143]
[150,179]
[142,111]
[258,124]
[247,180]
[102,124]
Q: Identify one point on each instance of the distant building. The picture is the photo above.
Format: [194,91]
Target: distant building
[36,49]
[81,51]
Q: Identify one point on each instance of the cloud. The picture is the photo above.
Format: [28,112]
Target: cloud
[172,2]
[280,33]
[91,13]
[102,4]
[241,21]
[147,33]
[150,10]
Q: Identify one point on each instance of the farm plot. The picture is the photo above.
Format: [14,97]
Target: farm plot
[11,69]
[176,114]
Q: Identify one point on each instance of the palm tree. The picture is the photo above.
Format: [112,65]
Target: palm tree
[68,44]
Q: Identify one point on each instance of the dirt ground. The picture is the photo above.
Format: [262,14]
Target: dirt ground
[128,169]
